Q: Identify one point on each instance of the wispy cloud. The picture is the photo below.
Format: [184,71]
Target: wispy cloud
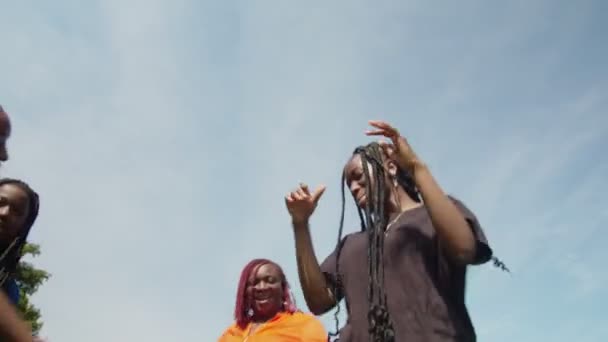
[163,136]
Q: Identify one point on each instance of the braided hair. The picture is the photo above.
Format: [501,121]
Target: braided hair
[10,256]
[374,221]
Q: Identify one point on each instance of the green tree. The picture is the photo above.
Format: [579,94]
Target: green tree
[29,279]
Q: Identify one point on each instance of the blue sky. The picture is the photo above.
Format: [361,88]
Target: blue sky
[163,135]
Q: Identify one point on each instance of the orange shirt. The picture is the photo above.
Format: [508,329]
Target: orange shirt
[284,327]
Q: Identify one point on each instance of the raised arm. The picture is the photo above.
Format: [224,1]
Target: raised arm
[452,229]
[301,204]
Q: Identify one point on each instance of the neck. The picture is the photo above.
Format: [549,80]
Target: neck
[400,201]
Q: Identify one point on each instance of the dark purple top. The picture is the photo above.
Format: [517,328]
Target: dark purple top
[425,290]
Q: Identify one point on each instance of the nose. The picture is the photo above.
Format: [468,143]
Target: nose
[354,187]
[261,286]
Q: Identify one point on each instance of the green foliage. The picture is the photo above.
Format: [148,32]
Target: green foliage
[29,279]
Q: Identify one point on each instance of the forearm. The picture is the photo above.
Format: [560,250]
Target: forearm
[314,285]
[12,328]
[450,224]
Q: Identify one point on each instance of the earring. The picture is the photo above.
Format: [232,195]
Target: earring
[250,312]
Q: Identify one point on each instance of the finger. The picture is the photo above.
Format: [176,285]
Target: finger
[304,188]
[318,193]
[296,196]
[301,193]
[384,126]
[380,124]
[377,132]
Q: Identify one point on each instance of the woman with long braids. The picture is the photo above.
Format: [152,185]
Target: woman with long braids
[9,286]
[265,309]
[12,327]
[18,211]
[403,274]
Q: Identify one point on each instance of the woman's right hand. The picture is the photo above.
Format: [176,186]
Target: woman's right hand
[301,203]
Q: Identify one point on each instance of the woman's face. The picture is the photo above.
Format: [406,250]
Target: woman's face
[265,289]
[355,179]
[14,209]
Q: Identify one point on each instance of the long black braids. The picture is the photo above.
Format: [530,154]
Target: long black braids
[9,258]
[373,221]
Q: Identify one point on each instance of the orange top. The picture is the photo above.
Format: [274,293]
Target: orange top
[284,327]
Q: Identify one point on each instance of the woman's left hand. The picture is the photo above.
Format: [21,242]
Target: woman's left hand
[400,150]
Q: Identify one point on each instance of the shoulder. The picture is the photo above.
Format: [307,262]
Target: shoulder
[455,200]
[232,332]
[346,240]
[461,206]
[306,317]
[313,326]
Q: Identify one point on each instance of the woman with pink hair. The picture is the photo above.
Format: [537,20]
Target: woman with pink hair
[265,309]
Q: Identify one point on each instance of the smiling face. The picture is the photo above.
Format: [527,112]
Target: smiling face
[265,291]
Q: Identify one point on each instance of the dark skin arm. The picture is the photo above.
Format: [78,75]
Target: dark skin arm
[301,204]
[452,228]
[12,328]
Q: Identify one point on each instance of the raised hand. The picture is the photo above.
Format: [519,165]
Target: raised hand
[399,149]
[301,203]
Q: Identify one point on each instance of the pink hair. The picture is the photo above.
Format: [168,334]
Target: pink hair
[242,301]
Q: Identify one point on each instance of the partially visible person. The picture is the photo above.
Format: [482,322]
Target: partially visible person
[265,310]
[18,211]
[10,287]
[5,133]
[12,327]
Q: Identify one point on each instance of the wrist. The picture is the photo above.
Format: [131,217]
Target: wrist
[414,165]
[299,223]
[421,174]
